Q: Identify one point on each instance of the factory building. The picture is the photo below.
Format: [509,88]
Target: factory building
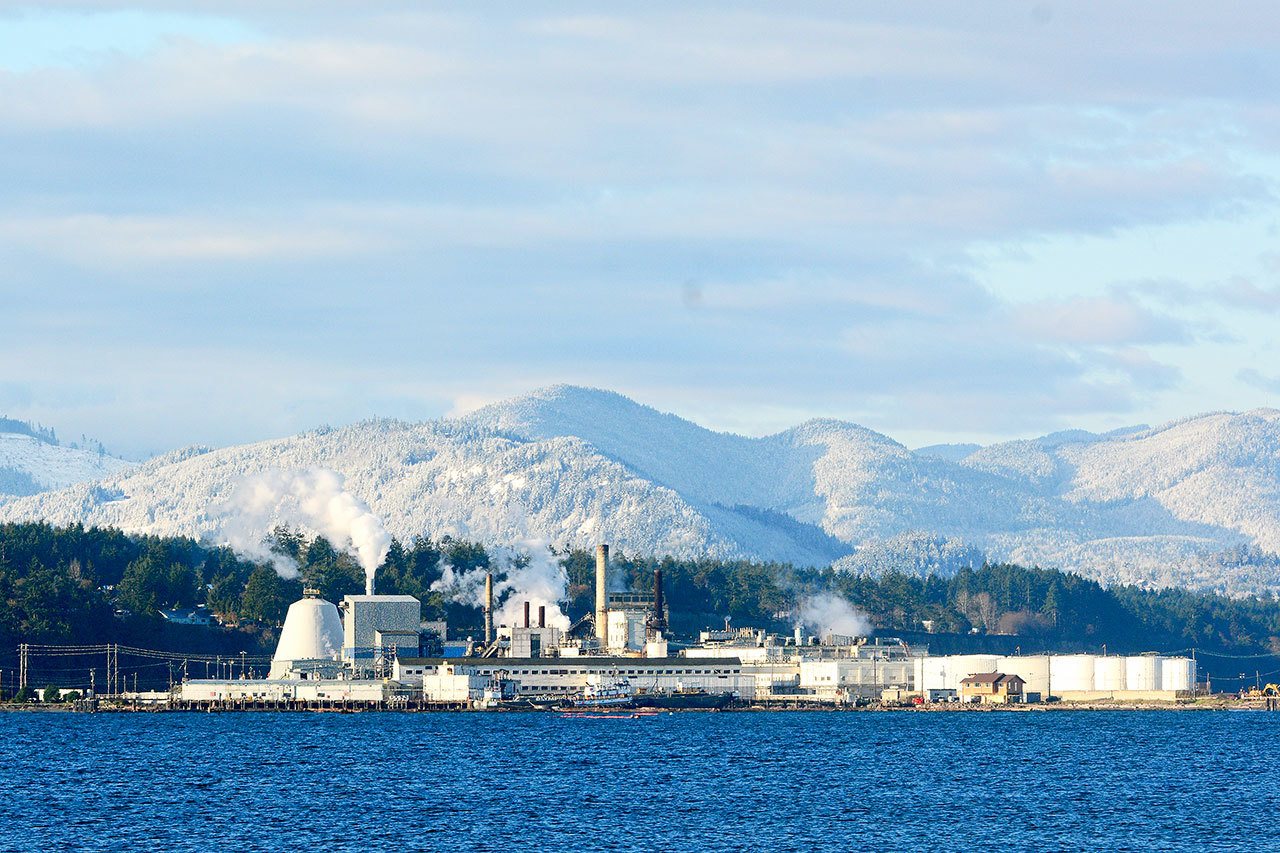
[1067,677]
[834,669]
[625,622]
[379,627]
[843,679]
[563,677]
[627,619]
[532,640]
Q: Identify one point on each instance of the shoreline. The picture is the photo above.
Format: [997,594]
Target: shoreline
[1208,704]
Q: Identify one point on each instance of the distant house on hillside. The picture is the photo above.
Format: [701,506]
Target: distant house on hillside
[992,688]
[186,617]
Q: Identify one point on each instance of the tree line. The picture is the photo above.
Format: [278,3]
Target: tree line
[82,584]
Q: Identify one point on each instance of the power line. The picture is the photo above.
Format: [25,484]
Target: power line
[1203,653]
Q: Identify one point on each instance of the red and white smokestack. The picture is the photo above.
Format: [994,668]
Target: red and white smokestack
[602,594]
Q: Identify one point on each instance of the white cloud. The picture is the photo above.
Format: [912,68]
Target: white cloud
[1255,378]
[1097,321]
[96,238]
[769,209]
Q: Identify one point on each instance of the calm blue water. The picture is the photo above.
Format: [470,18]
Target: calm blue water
[745,781]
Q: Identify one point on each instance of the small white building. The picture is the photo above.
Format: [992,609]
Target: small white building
[453,684]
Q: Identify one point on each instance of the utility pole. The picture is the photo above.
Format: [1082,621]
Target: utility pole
[93,691]
[22,666]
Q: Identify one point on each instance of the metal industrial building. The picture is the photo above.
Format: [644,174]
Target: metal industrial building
[564,677]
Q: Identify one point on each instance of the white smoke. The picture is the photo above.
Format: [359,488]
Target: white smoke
[314,499]
[831,614]
[541,581]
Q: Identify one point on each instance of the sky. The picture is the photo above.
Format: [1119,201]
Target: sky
[223,222]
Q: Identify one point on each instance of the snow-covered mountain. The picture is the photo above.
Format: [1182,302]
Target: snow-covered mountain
[1193,503]
[30,464]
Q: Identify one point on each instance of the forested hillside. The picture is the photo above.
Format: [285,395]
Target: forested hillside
[77,584]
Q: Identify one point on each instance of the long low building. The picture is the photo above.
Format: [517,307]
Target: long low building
[285,690]
[567,676]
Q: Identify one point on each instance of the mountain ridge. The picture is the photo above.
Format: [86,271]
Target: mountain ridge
[572,466]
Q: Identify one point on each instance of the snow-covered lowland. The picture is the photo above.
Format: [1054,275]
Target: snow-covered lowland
[1194,503]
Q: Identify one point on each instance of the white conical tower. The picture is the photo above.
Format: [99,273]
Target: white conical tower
[312,631]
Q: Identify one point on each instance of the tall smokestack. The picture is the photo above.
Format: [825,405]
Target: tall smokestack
[526,614]
[542,616]
[659,622]
[488,608]
[368,583]
[602,593]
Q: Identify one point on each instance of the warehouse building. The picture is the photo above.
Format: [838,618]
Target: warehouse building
[568,676]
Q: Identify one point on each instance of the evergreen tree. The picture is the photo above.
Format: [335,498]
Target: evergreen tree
[264,598]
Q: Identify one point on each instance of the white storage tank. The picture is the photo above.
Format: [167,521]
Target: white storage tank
[960,667]
[1177,673]
[1109,674]
[1071,673]
[1033,669]
[1142,672]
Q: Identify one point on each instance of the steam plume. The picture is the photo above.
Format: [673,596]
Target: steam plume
[833,614]
[529,573]
[315,499]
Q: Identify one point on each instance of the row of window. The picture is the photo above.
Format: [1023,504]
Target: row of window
[641,672]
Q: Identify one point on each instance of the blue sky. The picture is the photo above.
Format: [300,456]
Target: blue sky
[224,222]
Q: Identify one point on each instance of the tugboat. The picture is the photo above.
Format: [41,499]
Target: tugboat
[615,694]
